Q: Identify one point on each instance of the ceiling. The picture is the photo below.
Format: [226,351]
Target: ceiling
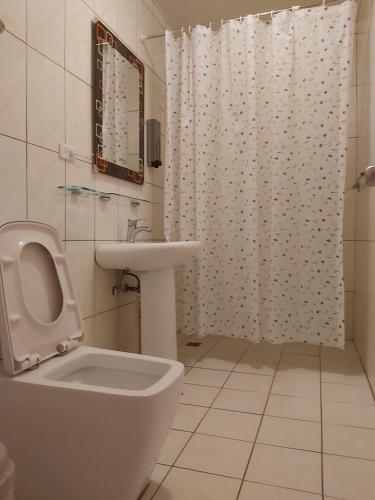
[190,12]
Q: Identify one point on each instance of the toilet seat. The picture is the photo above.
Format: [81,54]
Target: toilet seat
[39,312]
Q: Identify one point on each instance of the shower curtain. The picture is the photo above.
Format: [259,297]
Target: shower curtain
[257,118]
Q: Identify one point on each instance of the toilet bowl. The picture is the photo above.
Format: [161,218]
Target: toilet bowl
[79,422]
[6,475]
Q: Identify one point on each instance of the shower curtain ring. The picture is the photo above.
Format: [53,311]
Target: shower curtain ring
[240,19]
[189,29]
[182,30]
[324,3]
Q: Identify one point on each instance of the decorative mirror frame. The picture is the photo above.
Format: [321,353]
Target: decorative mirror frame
[102,35]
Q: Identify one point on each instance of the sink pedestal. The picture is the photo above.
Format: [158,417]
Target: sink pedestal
[158,313]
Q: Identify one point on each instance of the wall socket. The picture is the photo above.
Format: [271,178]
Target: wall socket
[66,152]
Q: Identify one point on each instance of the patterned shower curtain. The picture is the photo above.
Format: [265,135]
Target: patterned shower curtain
[257,119]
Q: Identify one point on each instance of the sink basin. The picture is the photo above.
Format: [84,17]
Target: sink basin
[145,256]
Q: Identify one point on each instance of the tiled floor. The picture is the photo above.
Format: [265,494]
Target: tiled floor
[264,422]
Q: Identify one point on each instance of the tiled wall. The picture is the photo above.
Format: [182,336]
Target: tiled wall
[365,200]
[45,99]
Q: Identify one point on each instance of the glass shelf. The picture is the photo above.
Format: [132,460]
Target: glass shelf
[78,190]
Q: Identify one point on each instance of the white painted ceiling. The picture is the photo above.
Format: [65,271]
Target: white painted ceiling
[190,12]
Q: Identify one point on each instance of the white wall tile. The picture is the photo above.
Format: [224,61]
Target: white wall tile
[13,180]
[352,126]
[351,162]
[107,10]
[365,63]
[12,87]
[45,28]
[104,281]
[127,28]
[157,214]
[60,32]
[349,254]
[366,16]
[80,221]
[81,260]
[106,211]
[366,110]
[365,227]
[365,153]
[151,51]
[45,103]
[78,103]
[45,171]
[349,315]
[128,328]
[105,330]
[349,215]
[78,39]
[13,14]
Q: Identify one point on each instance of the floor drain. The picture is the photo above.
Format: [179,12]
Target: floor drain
[193,344]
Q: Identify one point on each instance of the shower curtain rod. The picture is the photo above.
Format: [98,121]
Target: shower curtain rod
[260,14]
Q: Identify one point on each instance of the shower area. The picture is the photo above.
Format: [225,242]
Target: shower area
[268,127]
[269,132]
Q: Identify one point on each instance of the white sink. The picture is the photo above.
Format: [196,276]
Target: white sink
[155,264]
[145,256]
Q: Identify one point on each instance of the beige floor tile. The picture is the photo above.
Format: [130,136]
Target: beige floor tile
[290,433]
[345,378]
[302,386]
[157,477]
[293,407]
[261,356]
[173,445]
[216,455]
[261,363]
[230,424]
[298,348]
[249,382]
[190,355]
[250,402]
[198,395]
[349,414]
[347,393]
[218,362]
[181,484]
[254,491]
[266,347]
[349,441]
[349,478]
[296,469]
[200,376]
[300,361]
[188,417]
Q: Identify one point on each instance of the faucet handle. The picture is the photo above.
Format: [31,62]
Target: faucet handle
[134,222]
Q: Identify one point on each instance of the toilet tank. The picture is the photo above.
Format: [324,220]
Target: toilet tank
[7,473]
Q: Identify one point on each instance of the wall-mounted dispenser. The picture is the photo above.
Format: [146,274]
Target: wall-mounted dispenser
[153,143]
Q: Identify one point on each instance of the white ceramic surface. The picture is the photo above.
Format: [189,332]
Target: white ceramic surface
[97,418]
[145,256]
[88,425]
[155,263]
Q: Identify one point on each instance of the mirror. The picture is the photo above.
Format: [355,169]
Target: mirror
[118,108]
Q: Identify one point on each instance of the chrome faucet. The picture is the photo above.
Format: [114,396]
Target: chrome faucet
[134,229]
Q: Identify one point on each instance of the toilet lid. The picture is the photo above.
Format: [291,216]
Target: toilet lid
[39,313]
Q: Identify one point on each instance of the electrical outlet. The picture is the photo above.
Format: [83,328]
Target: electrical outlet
[66,152]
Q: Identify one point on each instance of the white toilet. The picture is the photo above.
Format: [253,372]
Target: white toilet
[6,475]
[80,423]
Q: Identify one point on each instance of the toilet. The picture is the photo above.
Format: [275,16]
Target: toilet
[80,423]
[6,475]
